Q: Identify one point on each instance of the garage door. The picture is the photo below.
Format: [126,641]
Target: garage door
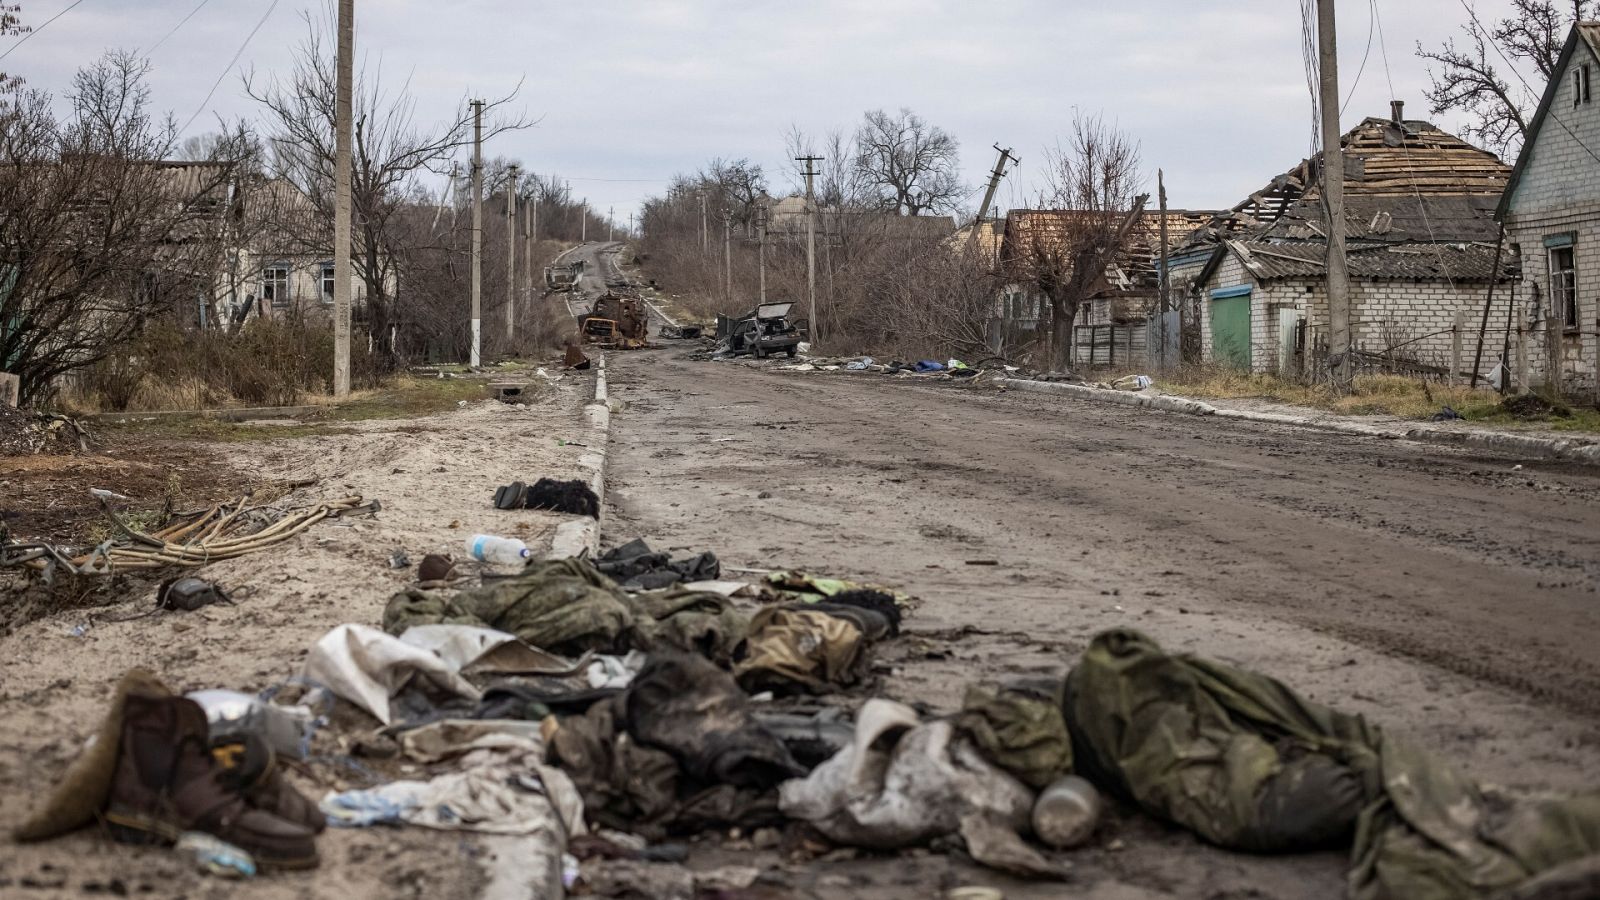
[1230,328]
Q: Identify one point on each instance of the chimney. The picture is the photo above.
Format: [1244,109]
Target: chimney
[1397,111]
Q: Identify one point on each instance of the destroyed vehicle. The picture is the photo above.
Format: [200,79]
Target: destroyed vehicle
[561,278]
[762,332]
[617,318]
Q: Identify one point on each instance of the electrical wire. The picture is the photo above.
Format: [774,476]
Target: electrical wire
[218,83]
[1372,18]
[24,38]
[1528,87]
[182,22]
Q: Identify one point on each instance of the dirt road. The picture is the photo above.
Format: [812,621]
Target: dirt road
[1449,596]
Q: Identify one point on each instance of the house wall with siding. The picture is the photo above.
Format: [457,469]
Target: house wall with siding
[1559,192]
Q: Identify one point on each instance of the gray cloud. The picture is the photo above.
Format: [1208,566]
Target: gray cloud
[634,92]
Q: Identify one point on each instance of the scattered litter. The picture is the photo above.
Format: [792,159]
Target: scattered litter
[983,562]
[1445,414]
[435,567]
[574,497]
[1133,383]
[223,532]
[368,667]
[491,548]
[861,364]
[1067,812]
[213,856]
[929,365]
[636,567]
[287,729]
[399,560]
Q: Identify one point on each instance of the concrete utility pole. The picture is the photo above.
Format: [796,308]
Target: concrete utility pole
[727,254]
[476,358]
[527,256]
[533,214]
[343,89]
[1333,200]
[511,251]
[705,239]
[611,224]
[1165,286]
[811,241]
[583,221]
[988,194]
[761,222]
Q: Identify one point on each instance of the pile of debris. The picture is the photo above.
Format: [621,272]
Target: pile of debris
[611,709]
[24,433]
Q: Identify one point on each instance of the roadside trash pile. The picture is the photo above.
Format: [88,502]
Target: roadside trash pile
[573,497]
[991,370]
[610,710]
[25,433]
[190,540]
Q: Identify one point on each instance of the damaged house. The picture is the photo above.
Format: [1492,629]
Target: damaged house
[1117,323]
[1551,211]
[1422,251]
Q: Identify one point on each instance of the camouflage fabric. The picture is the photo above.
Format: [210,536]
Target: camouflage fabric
[568,606]
[1246,763]
[1020,731]
[564,606]
[801,650]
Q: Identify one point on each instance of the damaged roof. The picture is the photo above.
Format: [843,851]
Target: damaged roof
[1405,180]
[1408,262]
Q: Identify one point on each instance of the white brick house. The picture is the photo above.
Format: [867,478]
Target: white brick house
[1551,211]
[1264,305]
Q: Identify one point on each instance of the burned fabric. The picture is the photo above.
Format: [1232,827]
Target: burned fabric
[575,497]
[639,568]
[802,650]
[903,782]
[805,588]
[563,606]
[679,752]
[1246,763]
[1019,730]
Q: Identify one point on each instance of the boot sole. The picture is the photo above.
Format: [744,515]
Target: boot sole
[128,828]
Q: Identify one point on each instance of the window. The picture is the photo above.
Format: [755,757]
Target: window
[1564,287]
[1580,85]
[275,287]
[327,284]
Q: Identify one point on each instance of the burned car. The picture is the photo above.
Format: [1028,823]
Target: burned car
[762,332]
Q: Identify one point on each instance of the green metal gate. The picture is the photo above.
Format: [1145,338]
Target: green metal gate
[1230,327]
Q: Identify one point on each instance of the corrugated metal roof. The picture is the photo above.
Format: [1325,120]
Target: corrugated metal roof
[1407,262]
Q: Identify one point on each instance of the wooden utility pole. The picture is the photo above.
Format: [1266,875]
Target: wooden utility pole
[988,194]
[1163,284]
[511,251]
[811,241]
[727,254]
[343,90]
[1333,200]
[476,358]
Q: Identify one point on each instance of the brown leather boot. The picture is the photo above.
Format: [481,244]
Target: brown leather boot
[167,783]
[249,765]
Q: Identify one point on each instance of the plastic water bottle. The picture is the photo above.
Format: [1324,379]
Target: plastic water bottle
[493,549]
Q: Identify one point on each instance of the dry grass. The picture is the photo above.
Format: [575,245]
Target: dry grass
[1391,395]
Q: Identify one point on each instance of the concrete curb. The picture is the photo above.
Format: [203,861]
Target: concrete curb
[1509,444]
[582,536]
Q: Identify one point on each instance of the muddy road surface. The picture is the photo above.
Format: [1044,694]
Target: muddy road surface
[1449,596]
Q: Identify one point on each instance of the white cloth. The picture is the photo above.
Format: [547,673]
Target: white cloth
[367,667]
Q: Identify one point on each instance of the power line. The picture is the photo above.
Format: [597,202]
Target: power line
[184,21]
[24,38]
[1372,18]
[204,103]
[1552,111]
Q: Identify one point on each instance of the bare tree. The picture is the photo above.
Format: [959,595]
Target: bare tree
[1468,77]
[907,164]
[391,149]
[1089,209]
[99,235]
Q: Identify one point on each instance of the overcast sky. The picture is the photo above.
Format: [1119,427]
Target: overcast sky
[629,93]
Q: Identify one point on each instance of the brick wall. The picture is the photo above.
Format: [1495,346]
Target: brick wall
[1559,192]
